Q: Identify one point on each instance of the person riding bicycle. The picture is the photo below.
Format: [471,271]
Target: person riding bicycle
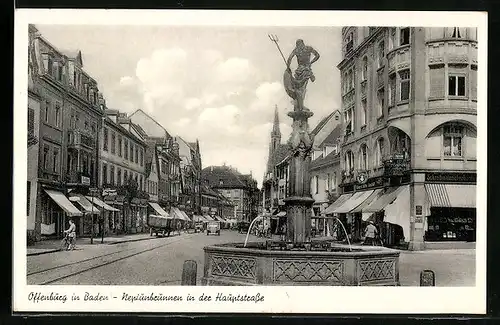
[71,231]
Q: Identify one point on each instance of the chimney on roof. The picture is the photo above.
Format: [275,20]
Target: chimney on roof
[211,168]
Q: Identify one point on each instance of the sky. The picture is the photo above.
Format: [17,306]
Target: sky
[216,84]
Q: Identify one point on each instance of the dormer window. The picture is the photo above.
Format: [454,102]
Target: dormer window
[404,36]
[349,43]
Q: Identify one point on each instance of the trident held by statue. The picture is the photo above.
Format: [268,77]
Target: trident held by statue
[275,40]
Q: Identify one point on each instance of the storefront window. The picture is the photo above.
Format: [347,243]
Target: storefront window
[451,224]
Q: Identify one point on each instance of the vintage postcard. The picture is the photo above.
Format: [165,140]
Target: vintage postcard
[250,161]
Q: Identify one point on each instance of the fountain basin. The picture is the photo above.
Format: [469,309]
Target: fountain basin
[233,264]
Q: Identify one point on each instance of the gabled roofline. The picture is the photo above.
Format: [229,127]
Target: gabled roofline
[153,119]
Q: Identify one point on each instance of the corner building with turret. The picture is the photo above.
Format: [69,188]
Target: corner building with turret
[408,145]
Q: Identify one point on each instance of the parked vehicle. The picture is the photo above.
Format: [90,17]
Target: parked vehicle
[198,227]
[243,226]
[159,225]
[213,227]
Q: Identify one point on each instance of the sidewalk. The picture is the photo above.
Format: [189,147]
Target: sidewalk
[53,245]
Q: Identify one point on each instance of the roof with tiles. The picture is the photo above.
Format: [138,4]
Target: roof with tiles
[333,137]
[223,177]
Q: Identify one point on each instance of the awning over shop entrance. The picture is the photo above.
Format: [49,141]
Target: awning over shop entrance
[353,202]
[398,212]
[101,204]
[198,218]
[177,214]
[63,202]
[159,209]
[208,218]
[337,203]
[184,214]
[382,201]
[375,195]
[86,204]
[451,195]
[219,218]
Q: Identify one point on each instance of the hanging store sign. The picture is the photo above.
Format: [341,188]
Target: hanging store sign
[108,192]
[374,182]
[451,177]
[85,180]
[362,178]
[418,210]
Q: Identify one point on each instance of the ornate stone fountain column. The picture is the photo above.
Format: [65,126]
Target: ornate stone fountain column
[299,202]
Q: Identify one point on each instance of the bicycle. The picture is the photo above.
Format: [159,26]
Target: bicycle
[66,242]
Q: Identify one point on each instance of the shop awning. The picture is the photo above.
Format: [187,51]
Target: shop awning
[360,208]
[398,212]
[219,219]
[63,202]
[184,214]
[159,209]
[198,218]
[176,213]
[337,203]
[86,204]
[353,202]
[208,218]
[102,204]
[386,198]
[451,195]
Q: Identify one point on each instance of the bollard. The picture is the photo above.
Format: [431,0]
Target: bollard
[189,271]
[427,278]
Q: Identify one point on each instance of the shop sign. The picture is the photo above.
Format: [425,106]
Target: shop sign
[94,191]
[451,177]
[419,219]
[85,180]
[374,182]
[362,178]
[418,210]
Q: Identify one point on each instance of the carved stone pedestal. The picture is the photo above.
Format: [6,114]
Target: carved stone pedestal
[299,202]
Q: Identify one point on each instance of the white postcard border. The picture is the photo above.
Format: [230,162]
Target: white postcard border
[399,300]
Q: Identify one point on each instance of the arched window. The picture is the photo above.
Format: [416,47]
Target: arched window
[364,71]
[363,157]
[452,140]
[349,161]
[349,43]
[379,152]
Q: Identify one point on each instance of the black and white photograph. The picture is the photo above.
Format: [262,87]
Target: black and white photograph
[319,156]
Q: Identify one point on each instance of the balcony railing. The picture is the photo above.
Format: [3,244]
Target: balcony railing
[396,165]
[77,139]
[75,177]
[348,176]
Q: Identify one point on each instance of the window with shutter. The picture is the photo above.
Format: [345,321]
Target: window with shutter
[473,83]
[437,85]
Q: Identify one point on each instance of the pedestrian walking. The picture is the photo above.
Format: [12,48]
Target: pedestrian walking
[71,232]
[370,234]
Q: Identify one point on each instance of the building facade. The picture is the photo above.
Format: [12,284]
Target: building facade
[70,117]
[122,166]
[277,156]
[325,177]
[33,228]
[409,113]
[241,190]
[190,168]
